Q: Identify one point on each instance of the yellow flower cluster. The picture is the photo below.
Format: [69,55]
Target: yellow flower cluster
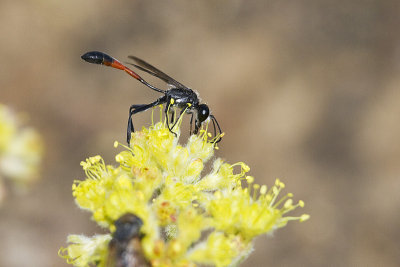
[188,219]
[20,150]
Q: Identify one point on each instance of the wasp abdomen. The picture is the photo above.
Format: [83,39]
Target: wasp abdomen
[96,57]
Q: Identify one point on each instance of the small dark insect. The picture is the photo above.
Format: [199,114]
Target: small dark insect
[125,249]
[177,95]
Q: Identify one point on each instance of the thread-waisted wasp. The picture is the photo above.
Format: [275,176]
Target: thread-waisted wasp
[177,95]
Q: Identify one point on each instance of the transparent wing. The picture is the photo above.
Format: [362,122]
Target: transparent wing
[146,67]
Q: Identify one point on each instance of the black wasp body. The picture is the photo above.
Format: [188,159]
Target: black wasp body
[177,95]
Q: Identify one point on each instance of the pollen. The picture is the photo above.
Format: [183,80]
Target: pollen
[249,179]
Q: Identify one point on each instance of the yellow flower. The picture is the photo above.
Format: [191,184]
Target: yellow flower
[239,212]
[20,150]
[84,250]
[189,219]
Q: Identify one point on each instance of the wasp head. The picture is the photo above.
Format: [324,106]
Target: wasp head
[202,113]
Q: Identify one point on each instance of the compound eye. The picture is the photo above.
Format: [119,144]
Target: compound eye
[203,112]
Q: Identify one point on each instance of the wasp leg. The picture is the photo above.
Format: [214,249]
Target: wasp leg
[180,114]
[197,126]
[167,109]
[214,121]
[136,109]
[172,120]
[191,124]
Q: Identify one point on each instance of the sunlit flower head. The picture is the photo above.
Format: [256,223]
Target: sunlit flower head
[20,150]
[189,217]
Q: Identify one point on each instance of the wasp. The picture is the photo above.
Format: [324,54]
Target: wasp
[178,95]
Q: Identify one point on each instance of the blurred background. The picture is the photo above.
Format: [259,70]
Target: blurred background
[306,91]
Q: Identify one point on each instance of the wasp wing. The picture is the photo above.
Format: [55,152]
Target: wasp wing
[146,67]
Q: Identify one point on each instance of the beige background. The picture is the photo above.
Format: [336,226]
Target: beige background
[307,91]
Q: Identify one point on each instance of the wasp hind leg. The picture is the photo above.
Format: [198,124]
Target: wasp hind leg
[136,109]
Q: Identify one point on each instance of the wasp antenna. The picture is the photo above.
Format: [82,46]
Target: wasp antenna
[214,121]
